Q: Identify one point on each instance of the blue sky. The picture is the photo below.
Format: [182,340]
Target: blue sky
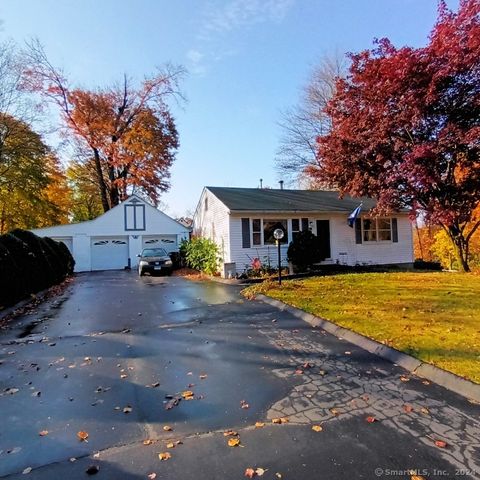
[247,61]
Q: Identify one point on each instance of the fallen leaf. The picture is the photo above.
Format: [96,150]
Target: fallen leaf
[72,459]
[127,409]
[148,442]
[187,394]
[260,471]
[152,476]
[440,444]
[259,425]
[408,408]
[123,376]
[230,433]
[426,382]
[317,428]
[155,385]
[92,470]
[348,353]
[82,436]
[403,378]
[278,475]
[280,420]
[167,428]
[334,412]
[307,365]
[170,445]
[233,442]
[371,419]
[250,472]
[164,455]
[425,411]
[203,376]
[27,470]
[43,433]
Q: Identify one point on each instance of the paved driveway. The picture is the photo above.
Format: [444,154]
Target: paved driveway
[112,356]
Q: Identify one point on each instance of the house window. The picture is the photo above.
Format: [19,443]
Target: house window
[134,216]
[299,225]
[256,231]
[377,230]
[384,228]
[268,228]
[295,228]
[206,203]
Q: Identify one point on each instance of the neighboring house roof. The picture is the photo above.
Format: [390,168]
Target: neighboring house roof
[283,200]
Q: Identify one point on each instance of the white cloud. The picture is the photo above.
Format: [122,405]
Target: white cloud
[241,13]
[222,18]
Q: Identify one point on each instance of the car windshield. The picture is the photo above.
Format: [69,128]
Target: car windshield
[154,252]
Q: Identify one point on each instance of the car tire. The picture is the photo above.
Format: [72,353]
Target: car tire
[140,272]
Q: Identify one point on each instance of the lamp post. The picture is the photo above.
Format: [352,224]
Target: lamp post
[278,234]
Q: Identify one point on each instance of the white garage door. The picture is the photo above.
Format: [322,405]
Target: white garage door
[168,242]
[109,253]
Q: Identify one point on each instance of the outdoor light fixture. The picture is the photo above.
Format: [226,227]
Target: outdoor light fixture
[278,234]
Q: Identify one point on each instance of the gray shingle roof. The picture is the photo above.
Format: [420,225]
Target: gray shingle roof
[276,200]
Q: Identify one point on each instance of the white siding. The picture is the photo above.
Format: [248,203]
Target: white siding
[211,220]
[344,250]
[267,254]
[388,252]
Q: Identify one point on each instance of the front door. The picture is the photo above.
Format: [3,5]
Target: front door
[323,234]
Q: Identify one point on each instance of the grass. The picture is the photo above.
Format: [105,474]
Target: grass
[432,316]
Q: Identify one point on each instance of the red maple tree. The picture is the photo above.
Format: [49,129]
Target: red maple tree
[406,127]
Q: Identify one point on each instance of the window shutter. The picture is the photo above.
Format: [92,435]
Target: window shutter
[358,230]
[245,232]
[304,224]
[394,230]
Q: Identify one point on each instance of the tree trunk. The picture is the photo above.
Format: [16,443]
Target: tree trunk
[101,181]
[460,244]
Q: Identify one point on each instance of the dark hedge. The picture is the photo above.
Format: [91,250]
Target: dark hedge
[29,264]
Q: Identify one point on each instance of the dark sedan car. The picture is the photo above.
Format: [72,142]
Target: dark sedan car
[154,260]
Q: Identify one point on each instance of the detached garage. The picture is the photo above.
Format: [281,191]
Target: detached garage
[113,240]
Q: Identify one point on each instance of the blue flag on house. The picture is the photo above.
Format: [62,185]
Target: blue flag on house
[353,216]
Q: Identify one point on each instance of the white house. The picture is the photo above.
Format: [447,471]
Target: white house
[241,222]
[113,240]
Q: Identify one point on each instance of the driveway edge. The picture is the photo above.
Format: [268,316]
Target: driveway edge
[449,380]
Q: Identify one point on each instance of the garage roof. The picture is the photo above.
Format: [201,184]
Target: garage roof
[284,200]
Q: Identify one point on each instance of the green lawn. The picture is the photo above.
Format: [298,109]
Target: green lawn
[433,316]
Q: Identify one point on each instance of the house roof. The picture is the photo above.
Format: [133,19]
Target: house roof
[276,200]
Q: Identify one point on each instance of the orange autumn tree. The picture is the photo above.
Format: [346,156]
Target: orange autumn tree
[129,132]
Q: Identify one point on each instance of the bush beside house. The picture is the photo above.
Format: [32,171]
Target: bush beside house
[29,264]
[304,251]
[200,254]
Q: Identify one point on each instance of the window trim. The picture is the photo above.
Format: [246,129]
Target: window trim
[377,230]
[262,232]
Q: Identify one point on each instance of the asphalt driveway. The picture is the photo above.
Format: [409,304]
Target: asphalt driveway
[116,357]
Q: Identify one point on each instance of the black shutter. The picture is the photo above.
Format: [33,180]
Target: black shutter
[245,232]
[304,224]
[394,230]
[358,230]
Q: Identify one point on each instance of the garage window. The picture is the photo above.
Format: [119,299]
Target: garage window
[134,217]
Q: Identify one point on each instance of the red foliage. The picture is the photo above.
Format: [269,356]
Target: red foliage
[406,125]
